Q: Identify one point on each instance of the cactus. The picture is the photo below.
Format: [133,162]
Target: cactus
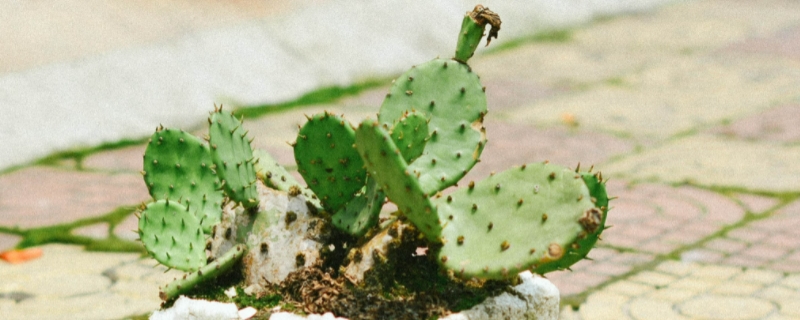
[205,273]
[410,135]
[385,163]
[276,177]
[523,218]
[172,235]
[450,96]
[172,159]
[327,161]
[233,157]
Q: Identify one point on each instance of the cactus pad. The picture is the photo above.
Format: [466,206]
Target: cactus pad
[386,165]
[450,96]
[327,160]
[523,218]
[360,214]
[410,134]
[178,166]
[172,235]
[275,176]
[233,157]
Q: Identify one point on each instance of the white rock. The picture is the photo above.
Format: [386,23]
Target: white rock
[536,298]
[292,316]
[189,309]
[247,313]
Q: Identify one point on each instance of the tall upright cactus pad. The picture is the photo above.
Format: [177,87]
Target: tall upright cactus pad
[472,31]
[172,235]
[233,157]
[361,213]
[523,218]
[410,134]
[178,166]
[386,165]
[451,97]
[327,160]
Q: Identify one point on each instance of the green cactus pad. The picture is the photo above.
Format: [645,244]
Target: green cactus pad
[233,157]
[410,134]
[386,165]
[523,218]
[450,95]
[178,166]
[172,235]
[207,272]
[327,160]
[360,214]
[594,222]
[277,177]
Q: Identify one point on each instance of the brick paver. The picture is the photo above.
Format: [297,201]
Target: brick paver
[40,196]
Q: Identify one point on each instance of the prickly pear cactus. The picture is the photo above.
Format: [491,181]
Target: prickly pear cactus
[172,235]
[410,135]
[361,213]
[233,157]
[385,163]
[277,177]
[178,166]
[451,98]
[527,217]
[327,160]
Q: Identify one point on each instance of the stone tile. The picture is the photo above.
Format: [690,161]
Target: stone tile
[737,288]
[791,281]
[678,268]
[716,272]
[604,305]
[121,160]
[40,196]
[577,282]
[756,204]
[512,144]
[694,284]
[628,288]
[97,231]
[764,252]
[784,43]
[744,261]
[8,241]
[701,255]
[648,308]
[748,235]
[654,279]
[776,124]
[660,219]
[725,245]
[726,307]
[759,276]
[127,229]
[713,161]
[785,266]
[673,295]
[664,98]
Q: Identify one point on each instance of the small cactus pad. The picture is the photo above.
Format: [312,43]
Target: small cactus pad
[593,223]
[277,177]
[472,31]
[386,165]
[210,271]
[450,96]
[523,218]
[178,165]
[410,134]
[233,157]
[360,214]
[172,235]
[327,160]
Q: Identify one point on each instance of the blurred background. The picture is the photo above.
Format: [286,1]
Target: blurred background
[80,73]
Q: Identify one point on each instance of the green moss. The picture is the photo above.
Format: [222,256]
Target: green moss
[62,233]
[319,96]
[548,36]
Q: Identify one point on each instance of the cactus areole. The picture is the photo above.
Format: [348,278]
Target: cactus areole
[219,205]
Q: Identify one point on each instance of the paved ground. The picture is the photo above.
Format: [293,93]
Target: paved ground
[692,110]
